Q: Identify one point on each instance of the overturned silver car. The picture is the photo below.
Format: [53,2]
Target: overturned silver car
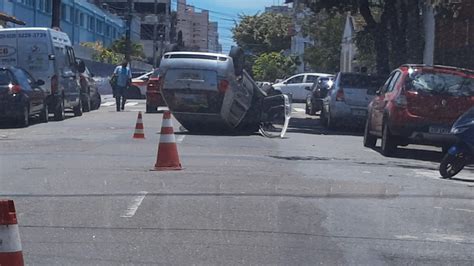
[210,93]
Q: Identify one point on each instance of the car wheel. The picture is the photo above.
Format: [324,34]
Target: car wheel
[86,104]
[44,115]
[323,118]
[307,109]
[311,110]
[24,119]
[330,121]
[95,104]
[59,114]
[151,109]
[369,139]
[78,109]
[389,145]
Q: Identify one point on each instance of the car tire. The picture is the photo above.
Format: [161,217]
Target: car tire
[389,145]
[451,165]
[151,109]
[311,110]
[24,119]
[95,104]
[86,104]
[369,139]
[307,110]
[78,109]
[330,122]
[323,118]
[59,114]
[44,115]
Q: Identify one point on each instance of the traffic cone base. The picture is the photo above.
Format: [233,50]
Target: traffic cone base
[10,245]
[139,132]
[167,157]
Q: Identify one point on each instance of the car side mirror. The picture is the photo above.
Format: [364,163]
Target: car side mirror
[308,88]
[39,82]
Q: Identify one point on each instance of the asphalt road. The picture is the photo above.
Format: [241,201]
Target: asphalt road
[85,195]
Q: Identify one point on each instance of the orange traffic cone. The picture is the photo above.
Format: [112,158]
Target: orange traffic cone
[167,157]
[139,133]
[10,245]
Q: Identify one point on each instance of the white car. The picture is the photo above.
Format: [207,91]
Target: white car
[296,85]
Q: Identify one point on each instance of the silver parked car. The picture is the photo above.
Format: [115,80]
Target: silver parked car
[347,101]
[296,85]
[209,92]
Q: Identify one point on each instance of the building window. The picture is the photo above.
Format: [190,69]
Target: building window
[47,6]
[99,26]
[107,30]
[71,14]
[91,23]
[76,17]
[81,19]
[114,33]
[63,12]
[40,5]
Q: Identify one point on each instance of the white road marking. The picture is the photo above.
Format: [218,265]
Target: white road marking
[106,104]
[180,138]
[455,209]
[299,110]
[133,207]
[131,104]
[163,108]
[405,237]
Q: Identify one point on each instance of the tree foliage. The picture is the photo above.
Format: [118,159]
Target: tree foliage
[273,65]
[324,56]
[261,33]
[102,54]
[119,46]
[394,27]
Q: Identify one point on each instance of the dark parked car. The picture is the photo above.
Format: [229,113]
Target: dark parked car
[418,104]
[154,99]
[319,90]
[21,96]
[89,92]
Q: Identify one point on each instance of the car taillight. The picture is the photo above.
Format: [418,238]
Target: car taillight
[54,84]
[14,89]
[401,100]
[340,95]
[223,86]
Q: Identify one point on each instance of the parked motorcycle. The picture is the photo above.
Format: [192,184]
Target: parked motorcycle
[462,152]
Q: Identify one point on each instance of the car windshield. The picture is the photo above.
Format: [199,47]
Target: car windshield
[360,81]
[236,132]
[441,83]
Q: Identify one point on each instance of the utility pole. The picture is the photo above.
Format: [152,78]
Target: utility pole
[155,33]
[128,42]
[56,16]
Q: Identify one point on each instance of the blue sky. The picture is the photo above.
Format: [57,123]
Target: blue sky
[224,11]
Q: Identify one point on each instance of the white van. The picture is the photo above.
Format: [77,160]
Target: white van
[48,55]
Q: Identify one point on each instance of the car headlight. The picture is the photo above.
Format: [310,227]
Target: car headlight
[458,130]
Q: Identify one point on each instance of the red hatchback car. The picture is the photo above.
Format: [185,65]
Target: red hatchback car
[418,104]
[154,99]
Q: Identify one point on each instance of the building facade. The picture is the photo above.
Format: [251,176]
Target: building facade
[81,20]
[144,12]
[285,10]
[199,34]
[299,42]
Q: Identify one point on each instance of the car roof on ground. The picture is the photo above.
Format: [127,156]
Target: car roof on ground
[196,53]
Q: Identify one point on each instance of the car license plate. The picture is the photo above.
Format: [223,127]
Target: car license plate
[439,130]
[192,100]
[359,112]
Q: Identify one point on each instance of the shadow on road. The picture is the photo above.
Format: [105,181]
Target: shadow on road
[10,124]
[313,126]
[415,154]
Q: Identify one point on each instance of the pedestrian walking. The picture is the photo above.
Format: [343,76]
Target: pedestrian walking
[120,81]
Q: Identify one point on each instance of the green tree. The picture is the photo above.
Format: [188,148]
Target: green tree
[102,54]
[261,33]
[119,46]
[324,56]
[394,27]
[273,65]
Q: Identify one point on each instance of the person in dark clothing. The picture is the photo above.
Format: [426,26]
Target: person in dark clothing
[122,77]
